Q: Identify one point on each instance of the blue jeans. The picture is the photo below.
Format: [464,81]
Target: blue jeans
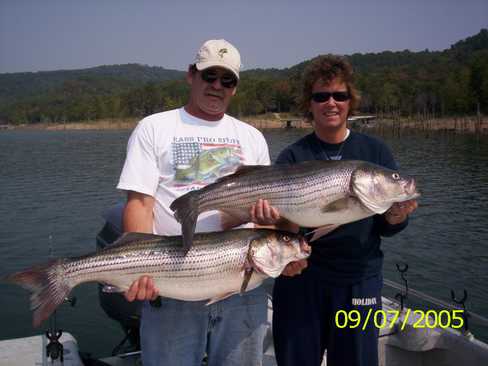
[230,332]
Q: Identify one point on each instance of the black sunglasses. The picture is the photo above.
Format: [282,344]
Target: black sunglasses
[322,97]
[227,80]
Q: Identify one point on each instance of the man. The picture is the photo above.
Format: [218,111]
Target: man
[169,154]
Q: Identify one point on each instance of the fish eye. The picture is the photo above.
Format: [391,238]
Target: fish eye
[395,176]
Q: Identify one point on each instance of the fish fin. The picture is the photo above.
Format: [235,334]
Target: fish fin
[128,238]
[221,297]
[338,205]
[248,168]
[247,273]
[47,285]
[228,218]
[247,278]
[241,170]
[321,231]
[186,212]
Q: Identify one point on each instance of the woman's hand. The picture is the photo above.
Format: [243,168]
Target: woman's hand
[399,211]
[262,213]
[295,268]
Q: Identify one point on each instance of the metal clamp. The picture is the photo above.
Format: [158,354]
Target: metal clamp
[466,315]
[71,301]
[402,296]
[54,348]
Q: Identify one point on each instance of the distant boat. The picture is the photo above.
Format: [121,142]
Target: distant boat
[362,121]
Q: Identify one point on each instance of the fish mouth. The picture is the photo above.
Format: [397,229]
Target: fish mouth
[305,247]
[411,189]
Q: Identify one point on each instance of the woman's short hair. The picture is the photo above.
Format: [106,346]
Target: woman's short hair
[327,68]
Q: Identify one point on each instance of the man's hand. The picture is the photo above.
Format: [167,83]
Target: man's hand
[264,214]
[142,289]
[295,268]
[400,211]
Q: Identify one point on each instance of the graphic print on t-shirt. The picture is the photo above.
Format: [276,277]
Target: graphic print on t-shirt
[201,163]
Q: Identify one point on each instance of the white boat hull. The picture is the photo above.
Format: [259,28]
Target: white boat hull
[409,347]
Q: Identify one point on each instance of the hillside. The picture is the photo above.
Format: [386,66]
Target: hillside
[101,79]
[436,83]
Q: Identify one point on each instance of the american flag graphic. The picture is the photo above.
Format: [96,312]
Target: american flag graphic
[184,152]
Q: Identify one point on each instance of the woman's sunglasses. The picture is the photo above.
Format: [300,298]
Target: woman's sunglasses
[227,80]
[322,97]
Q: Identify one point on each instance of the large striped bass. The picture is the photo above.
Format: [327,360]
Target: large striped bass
[314,194]
[219,265]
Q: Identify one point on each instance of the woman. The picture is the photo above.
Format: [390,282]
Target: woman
[345,268]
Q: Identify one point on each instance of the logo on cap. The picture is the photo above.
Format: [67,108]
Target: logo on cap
[222,51]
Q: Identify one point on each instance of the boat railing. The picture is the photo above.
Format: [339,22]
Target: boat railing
[479,319]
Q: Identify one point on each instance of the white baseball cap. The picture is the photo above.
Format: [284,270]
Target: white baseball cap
[218,52]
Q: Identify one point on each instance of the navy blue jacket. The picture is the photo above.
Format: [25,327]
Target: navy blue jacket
[351,252]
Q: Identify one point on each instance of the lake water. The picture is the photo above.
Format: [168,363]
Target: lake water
[55,185]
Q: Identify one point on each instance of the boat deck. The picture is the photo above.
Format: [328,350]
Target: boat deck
[408,347]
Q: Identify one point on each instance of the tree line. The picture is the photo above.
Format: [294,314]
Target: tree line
[405,83]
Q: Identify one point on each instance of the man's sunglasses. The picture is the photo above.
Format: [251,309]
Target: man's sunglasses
[227,80]
[322,97]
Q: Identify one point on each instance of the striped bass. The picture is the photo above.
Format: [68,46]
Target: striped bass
[219,265]
[314,194]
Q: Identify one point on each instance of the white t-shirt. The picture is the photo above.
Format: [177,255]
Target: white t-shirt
[173,152]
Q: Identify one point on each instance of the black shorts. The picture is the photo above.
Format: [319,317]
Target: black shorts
[306,320]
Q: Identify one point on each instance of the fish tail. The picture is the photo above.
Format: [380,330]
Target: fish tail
[48,287]
[186,210]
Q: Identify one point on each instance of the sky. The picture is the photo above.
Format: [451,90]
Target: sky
[44,35]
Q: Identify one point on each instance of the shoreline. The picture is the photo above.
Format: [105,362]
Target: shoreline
[469,124]
[466,124]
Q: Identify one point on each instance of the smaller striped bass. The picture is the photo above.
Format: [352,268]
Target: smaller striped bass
[219,265]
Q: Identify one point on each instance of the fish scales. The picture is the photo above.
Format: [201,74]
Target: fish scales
[285,184]
[306,190]
[310,192]
[166,259]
